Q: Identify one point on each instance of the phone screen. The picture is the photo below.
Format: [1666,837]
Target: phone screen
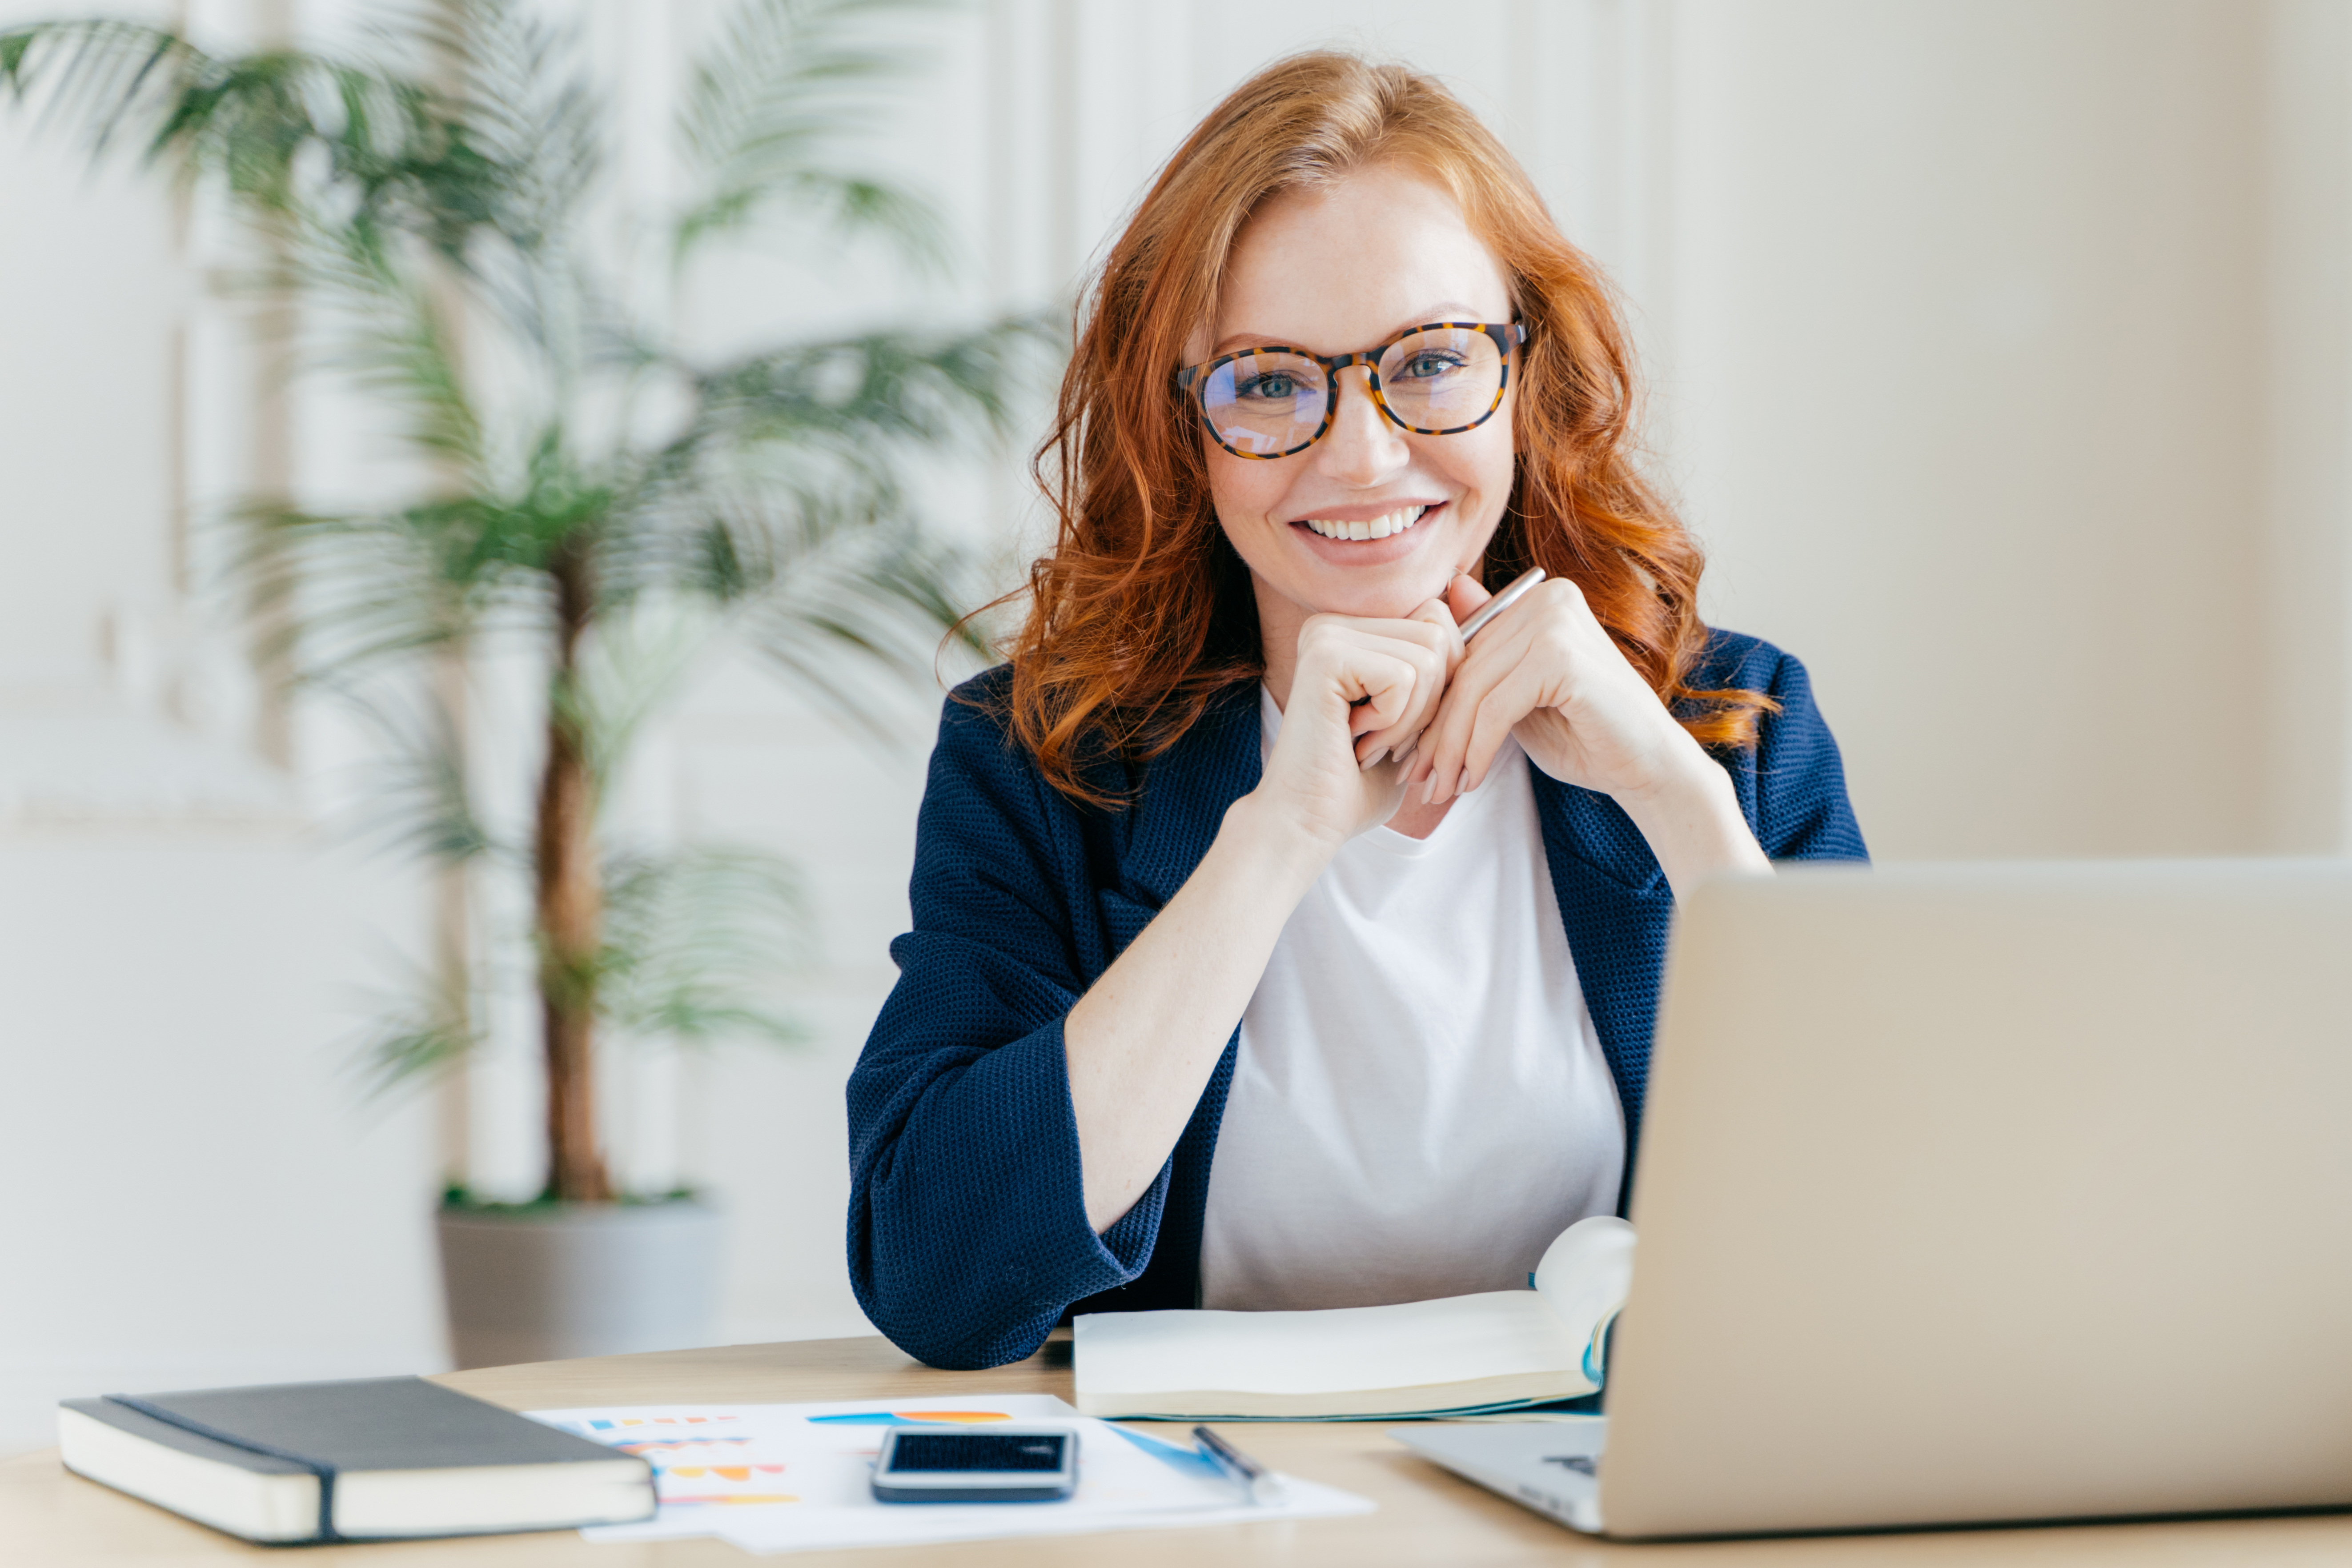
[938,1451]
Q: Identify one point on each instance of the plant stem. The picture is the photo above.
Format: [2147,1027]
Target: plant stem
[571,910]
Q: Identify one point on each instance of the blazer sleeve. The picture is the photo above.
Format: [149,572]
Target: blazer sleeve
[968,1233]
[1797,779]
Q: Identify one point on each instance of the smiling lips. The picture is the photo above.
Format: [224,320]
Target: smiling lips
[1381,527]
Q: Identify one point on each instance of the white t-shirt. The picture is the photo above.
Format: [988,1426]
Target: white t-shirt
[1421,1104]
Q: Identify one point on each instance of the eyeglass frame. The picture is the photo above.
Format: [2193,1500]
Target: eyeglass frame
[1192,379]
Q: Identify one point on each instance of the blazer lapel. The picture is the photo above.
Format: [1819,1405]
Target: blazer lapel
[1617,907]
[1175,816]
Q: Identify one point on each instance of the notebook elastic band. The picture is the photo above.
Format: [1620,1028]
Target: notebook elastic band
[319,1467]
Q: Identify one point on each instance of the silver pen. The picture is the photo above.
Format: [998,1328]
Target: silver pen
[1519,590]
[1263,1485]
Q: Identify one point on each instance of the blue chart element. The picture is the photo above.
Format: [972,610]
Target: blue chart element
[864,1418]
[1189,1459]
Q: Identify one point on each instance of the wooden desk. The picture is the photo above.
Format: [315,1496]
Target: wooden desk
[49,1519]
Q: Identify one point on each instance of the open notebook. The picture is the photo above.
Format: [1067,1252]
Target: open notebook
[1494,1351]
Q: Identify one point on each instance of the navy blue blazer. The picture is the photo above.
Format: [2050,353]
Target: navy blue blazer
[968,1233]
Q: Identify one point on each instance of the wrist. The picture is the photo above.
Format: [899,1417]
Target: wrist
[1691,818]
[1277,844]
[1686,780]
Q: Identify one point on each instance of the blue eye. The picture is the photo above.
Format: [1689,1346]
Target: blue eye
[1428,364]
[1280,385]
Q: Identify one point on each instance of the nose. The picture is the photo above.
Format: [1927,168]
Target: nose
[1362,449]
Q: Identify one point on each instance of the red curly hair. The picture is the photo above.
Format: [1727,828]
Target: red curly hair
[1143,613]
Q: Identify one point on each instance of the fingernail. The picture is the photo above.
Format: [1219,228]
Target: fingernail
[1429,790]
[1373,761]
[1409,747]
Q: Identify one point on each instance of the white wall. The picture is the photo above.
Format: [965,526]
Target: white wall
[2001,356]
[1965,310]
[197,1195]
[2306,585]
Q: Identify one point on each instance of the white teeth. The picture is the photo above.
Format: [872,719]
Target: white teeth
[1381,527]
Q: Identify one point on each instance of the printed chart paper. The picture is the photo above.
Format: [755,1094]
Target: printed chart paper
[796,1478]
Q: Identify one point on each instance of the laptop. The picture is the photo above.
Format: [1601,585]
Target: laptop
[1977,1195]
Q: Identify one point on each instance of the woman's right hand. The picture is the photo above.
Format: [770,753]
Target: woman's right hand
[1360,694]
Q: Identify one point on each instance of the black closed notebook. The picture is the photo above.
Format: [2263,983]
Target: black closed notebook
[378,1458]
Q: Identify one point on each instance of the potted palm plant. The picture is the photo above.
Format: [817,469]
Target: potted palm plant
[596,503]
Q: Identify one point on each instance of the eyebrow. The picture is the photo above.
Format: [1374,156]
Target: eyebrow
[1451,310]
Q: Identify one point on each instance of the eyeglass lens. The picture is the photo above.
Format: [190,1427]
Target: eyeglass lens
[1270,401]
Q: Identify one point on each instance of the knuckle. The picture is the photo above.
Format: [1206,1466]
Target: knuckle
[1323,640]
[1565,590]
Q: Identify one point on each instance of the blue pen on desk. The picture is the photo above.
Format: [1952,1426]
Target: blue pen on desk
[1262,1484]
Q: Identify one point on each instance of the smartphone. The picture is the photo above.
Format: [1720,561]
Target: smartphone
[956,1464]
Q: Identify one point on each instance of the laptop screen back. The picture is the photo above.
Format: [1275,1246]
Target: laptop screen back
[1994,1192]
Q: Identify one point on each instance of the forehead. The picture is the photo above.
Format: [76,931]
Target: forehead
[1337,268]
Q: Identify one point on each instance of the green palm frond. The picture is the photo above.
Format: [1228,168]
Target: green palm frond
[342,594]
[107,76]
[384,142]
[874,390]
[521,101]
[417,795]
[424,1030]
[336,162]
[390,336]
[800,575]
[696,942]
[521,97]
[631,670]
[882,594]
[766,110]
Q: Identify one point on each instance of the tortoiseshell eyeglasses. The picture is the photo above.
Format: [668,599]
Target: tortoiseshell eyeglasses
[1438,379]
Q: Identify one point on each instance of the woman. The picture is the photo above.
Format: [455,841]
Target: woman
[1273,947]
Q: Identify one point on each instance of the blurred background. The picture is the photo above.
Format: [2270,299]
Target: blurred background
[2000,352]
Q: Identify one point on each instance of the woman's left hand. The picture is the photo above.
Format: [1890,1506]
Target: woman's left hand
[1549,672]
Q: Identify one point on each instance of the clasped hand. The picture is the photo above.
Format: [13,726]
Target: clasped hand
[1385,711]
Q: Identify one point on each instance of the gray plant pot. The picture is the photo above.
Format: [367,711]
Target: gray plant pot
[547,1284]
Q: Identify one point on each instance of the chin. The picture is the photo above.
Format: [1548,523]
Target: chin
[1378,578]
[1395,599]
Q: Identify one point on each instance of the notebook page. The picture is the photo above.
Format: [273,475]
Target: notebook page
[1584,1278]
[1496,1333]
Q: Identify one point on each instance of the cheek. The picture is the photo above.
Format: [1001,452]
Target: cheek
[1243,493]
[1483,463]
